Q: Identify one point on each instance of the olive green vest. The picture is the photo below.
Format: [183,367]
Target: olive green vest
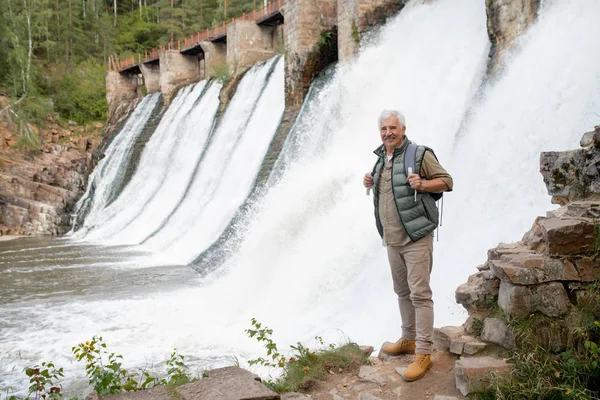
[419,217]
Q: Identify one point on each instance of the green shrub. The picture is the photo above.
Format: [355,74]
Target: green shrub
[221,73]
[103,369]
[177,371]
[107,376]
[81,94]
[42,384]
[325,38]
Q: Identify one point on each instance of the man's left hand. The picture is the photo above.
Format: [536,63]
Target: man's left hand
[415,182]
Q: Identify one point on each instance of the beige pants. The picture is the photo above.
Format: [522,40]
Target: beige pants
[411,268]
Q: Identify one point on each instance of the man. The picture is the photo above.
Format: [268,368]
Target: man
[406,222]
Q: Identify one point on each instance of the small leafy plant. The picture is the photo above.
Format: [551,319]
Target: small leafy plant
[177,371]
[103,369]
[41,380]
[263,334]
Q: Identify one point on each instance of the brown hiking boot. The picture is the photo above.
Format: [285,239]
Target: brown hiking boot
[402,346]
[418,368]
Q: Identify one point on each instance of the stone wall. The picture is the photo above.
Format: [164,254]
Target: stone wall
[151,74]
[546,272]
[120,89]
[177,70]
[355,17]
[247,44]
[536,282]
[309,32]
[506,21]
[215,57]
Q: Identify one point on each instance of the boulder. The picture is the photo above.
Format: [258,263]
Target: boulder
[455,340]
[589,269]
[531,269]
[568,236]
[473,325]
[442,337]
[575,174]
[483,267]
[472,374]
[478,295]
[366,350]
[507,249]
[534,239]
[229,383]
[588,209]
[587,140]
[516,301]
[496,331]
[550,299]
[473,347]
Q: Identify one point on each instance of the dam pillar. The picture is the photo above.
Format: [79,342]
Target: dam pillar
[247,44]
[151,74]
[310,41]
[215,59]
[506,21]
[177,70]
[355,17]
[120,87]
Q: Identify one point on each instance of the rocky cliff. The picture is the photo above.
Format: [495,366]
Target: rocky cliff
[546,277]
[39,186]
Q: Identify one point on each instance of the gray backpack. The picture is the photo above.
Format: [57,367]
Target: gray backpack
[410,161]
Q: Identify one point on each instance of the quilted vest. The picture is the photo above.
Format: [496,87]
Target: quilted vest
[419,217]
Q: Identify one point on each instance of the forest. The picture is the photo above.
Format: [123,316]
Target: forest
[53,53]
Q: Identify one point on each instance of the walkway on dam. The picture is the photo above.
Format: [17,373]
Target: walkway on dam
[270,15]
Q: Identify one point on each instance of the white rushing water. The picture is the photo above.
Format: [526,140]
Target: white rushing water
[310,261]
[166,164]
[116,156]
[229,168]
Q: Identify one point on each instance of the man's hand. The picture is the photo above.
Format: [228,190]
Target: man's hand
[415,182]
[368,180]
[435,185]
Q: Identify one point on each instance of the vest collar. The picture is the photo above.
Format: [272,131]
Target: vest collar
[381,153]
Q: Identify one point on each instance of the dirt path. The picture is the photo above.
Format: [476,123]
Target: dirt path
[382,380]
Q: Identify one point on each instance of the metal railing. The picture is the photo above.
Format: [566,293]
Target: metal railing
[116,64]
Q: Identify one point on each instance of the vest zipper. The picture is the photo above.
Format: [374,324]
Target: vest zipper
[394,195]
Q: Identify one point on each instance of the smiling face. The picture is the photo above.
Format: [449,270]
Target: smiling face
[392,133]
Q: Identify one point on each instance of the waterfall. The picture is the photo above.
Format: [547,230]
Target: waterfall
[110,170]
[311,242]
[166,164]
[229,168]
[307,259]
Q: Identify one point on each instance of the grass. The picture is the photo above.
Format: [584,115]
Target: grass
[306,367]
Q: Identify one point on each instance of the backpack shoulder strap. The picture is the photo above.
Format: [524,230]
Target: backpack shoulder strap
[410,158]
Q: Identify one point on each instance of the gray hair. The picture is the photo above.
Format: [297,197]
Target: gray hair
[392,113]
